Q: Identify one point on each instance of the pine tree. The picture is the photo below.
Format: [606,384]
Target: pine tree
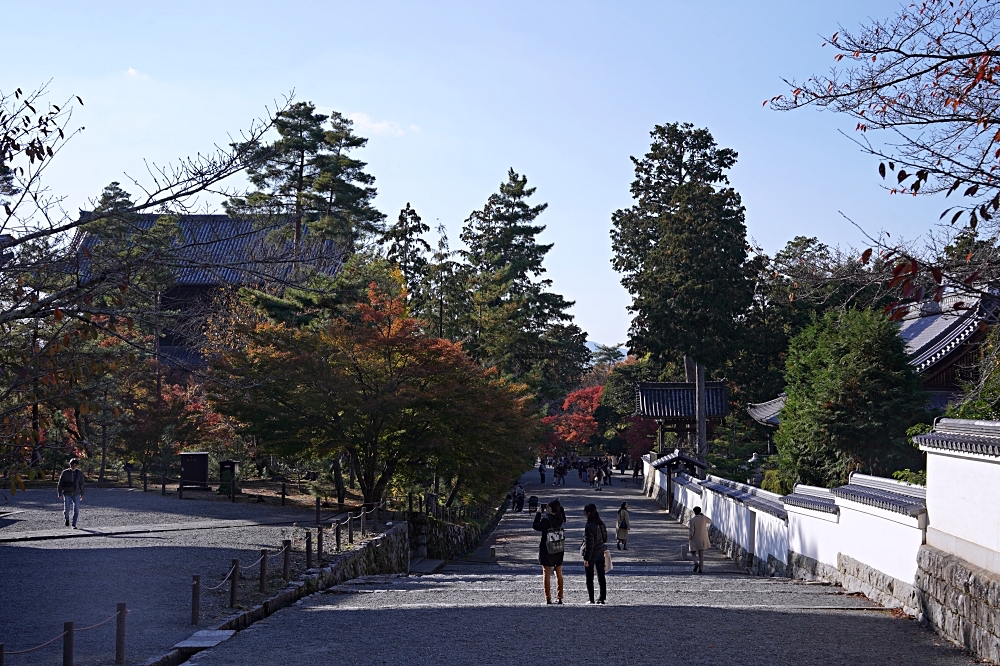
[515,323]
[308,175]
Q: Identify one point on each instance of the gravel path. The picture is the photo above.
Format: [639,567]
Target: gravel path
[45,583]
[657,612]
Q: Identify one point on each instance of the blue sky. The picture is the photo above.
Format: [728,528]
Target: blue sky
[453,94]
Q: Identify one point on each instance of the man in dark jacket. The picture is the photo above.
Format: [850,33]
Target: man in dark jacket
[70,490]
[595,536]
[551,549]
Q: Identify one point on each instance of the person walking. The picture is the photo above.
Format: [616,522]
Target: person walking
[70,490]
[621,533]
[599,473]
[698,540]
[549,520]
[519,498]
[541,471]
[595,537]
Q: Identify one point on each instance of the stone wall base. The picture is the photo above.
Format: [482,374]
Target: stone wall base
[855,576]
[961,601]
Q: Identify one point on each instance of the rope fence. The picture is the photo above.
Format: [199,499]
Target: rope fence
[68,634]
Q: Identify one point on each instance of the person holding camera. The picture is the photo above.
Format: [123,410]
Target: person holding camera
[549,520]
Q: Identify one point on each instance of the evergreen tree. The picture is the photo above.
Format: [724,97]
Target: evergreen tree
[308,175]
[681,249]
[445,307]
[515,323]
[852,394]
[407,249]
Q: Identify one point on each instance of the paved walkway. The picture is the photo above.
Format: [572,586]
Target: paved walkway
[658,611]
[133,547]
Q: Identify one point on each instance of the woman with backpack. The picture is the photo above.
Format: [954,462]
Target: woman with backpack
[550,550]
[621,534]
[595,536]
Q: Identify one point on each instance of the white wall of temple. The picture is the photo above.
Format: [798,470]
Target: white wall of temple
[963,496]
[814,534]
[770,537]
[885,540]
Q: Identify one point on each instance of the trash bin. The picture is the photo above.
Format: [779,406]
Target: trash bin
[228,471]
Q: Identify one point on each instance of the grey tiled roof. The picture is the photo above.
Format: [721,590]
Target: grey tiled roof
[688,482]
[756,498]
[676,400]
[675,456]
[966,435]
[766,413]
[214,250]
[933,331]
[811,497]
[884,494]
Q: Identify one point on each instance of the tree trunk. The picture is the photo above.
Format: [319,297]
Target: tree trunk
[454,492]
[104,451]
[338,481]
[352,473]
[701,407]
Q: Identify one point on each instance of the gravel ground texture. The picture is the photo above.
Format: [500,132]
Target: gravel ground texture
[81,579]
[658,611]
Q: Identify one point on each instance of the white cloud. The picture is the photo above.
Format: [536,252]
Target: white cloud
[365,124]
[133,73]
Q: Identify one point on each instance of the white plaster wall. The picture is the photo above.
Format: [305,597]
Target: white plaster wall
[963,497]
[686,497]
[814,534]
[770,537]
[881,539]
[730,517]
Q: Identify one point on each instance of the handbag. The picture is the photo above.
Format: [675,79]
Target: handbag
[608,564]
[583,548]
[555,541]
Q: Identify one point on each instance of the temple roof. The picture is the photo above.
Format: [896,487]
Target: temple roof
[964,435]
[934,330]
[755,498]
[215,250]
[675,401]
[676,456]
[885,494]
[812,497]
[766,413]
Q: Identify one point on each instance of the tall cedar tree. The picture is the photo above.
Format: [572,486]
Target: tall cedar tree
[308,176]
[852,394]
[516,323]
[406,247]
[682,248]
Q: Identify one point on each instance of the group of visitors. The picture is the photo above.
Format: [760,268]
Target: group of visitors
[550,520]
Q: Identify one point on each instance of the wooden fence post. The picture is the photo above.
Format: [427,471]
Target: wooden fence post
[319,544]
[120,635]
[350,528]
[163,484]
[362,521]
[67,644]
[336,531]
[263,570]
[195,598]
[234,583]
[286,572]
[309,549]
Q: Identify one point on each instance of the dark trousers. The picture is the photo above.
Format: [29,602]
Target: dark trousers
[598,564]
